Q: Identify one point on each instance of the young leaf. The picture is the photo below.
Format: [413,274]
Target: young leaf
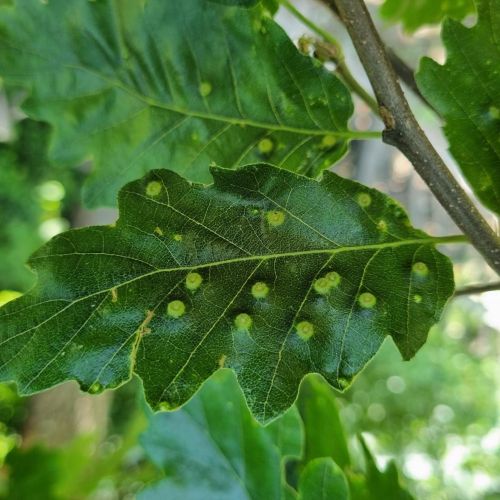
[466,92]
[245,273]
[213,449]
[139,88]
[323,429]
[381,484]
[415,14]
[323,479]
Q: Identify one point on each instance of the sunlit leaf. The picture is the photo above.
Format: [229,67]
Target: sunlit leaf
[466,92]
[245,273]
[178,85]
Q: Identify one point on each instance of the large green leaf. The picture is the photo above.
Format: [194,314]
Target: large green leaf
[246,273]
[323,479]
[163,84]
[416,13]
[466,92]
[213,449]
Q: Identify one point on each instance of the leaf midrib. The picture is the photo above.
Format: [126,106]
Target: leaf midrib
[346,134]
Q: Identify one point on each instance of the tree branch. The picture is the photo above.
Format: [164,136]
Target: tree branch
[473,289]
[403,131]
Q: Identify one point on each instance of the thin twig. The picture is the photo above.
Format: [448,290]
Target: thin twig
[336,54]
[405,72]
[474,289]
[403,131]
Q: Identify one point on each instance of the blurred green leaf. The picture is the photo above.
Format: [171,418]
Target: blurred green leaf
[381,484]
[466,92]
[139,88]
[287,433]
[324,433]
[417,13]
[213,448]
[323,479]
[241,274]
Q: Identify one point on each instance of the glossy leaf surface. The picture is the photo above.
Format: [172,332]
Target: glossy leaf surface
[139,88]
[466,92]
[245,273]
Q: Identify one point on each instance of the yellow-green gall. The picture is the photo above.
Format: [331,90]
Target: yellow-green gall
[266,146]
[243,321]
[176,308]
[305,330]
[177,237]
[420,269]
[322,286]
[367,300]
[95,388]
[382,225]
[417,298]
[193,281]
[260,290]
[153,188]
[494,112]
[275,217]
[333,278]
[328,141]
[205,89]
[164,406]
[364,200]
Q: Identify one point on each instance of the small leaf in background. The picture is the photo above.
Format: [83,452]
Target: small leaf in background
[244,274]
[213,448]
[415,14]
[466,92]
[139,88]
[381,484]
[323,479]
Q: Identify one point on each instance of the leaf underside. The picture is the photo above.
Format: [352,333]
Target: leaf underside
[466,92]
[138,85]
[112,300]
[213,449]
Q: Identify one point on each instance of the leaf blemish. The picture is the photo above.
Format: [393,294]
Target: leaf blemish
[243,321]
[266,146]
[158,231]
[153,188]
[176,308]
[222,361]
[364,200]
[275,217]
[193,281]
[305,330]
[205,89]
[417,298]
[177,237]
[420,269]
[325,284]
[114,295]
[260,290]
[367,300]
